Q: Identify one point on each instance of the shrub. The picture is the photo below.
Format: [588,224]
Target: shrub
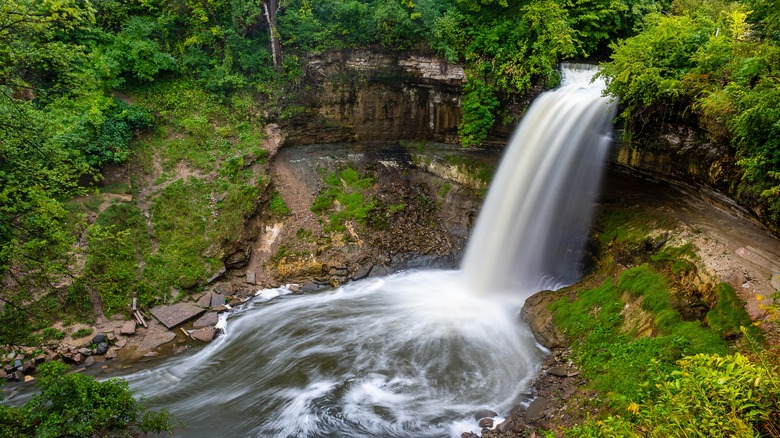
[73,404]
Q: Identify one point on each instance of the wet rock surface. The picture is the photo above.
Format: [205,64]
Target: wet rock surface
[172,316]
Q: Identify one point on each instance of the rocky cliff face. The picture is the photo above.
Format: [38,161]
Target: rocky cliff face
[365,96]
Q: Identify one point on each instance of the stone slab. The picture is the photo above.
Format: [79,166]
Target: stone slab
[204,334]
[176,314]
[153,341]
[208,320]
[217,300]
[128,328]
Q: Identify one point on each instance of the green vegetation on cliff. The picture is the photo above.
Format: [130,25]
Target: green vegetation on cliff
[661,369]
[713,64]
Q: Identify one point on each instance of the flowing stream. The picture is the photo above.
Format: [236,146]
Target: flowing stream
[417,353]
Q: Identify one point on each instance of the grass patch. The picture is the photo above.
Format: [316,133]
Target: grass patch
[277,206]
[180,214]
[116,242]
[343,199]
[607,350]
[729,315]
[475,168]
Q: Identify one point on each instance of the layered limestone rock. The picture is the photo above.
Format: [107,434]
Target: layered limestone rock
[365,96]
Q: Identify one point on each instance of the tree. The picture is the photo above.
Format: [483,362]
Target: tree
[75,405]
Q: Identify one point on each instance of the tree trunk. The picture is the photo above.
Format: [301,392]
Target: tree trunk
[271,7]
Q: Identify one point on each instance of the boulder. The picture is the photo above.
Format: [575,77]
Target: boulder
[98,338]
[537,314]
[101,348]
[89,361]
[176,314]
[128,328]
[486,422]
[506,426]
[28,367]
[85,351]
[208,320]
[484,413]
[205,334]
[152,341]
[537,409]
[217,300]
[111,353]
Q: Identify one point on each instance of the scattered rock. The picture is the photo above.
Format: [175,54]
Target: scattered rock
[16,376]
[559,371]
[204,300]
[486,422]
[153,341]
[101,348]
[216,275]
[29,378]
[84,351]
[176,314]
[361,273]
[205,334]
[111,353]
[506,426]
[311,287]
[484,413]
[380,271]
[537,314]
[251,277]
[128,328]
[217,300]
[28,367]
[537,410]
[89,361]
[208,320]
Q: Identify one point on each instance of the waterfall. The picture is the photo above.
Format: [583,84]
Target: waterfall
[417,353]
[532,230]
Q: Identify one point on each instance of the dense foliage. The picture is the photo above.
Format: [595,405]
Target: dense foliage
[80,80]
[75,405]
[662,373]
[716,62]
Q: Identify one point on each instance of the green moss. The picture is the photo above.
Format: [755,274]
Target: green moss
[344,199]
[607,349]
[181,218]
[475,168]
[277,206]
[729,314]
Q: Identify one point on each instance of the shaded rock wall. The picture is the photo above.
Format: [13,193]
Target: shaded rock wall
[366,96]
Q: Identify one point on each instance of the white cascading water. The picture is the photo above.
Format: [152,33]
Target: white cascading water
[412,354]
[532,230]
